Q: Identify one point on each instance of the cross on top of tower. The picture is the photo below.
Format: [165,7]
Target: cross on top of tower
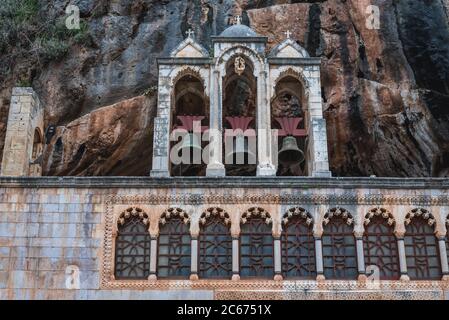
[190,33]
[238,19]
[288,34]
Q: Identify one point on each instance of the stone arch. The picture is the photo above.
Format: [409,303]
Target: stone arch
[294,72]
[227,55]
[297,211]
[215,212]
[258,212]
[174,212]
[179,73]
[338,212]
[132,212]
[420,212]
[384,213]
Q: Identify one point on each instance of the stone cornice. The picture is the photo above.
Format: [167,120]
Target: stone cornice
[184,61]
[295,61]
[239,39]
[227,182]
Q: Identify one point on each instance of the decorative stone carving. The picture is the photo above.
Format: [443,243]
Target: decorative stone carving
[337,212]
[258,212]
[174,212]
[379,212]
[419,212]
[213,212]
[239,65]
[297,212]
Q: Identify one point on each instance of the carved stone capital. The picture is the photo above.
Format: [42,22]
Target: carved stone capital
[399,234]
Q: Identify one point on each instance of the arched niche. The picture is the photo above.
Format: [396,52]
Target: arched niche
[189,99]
[290,101]
[36,154]
[240,101]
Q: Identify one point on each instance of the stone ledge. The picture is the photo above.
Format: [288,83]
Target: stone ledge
[224,182]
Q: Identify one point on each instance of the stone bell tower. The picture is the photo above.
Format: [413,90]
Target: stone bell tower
[22,153]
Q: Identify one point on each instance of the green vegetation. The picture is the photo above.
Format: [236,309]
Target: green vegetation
[31,31]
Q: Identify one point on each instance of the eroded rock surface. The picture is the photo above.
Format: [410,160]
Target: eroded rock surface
[385,92]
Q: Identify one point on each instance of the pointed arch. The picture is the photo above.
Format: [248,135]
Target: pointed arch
[215,244]
[339,249]
[132,245]
[421,246]
[174,245]
[298,244]
[380,245]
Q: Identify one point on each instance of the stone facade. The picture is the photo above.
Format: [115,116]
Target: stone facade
[53,230]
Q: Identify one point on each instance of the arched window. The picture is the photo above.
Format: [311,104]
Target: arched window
[174,253]
[132,245]
[256,244]
[421,246]
[215,244]
[380,244]
[339,250]
[298,245]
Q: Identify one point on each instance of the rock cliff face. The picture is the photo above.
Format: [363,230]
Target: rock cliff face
[385,91]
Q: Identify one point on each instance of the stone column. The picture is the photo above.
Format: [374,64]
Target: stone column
[265,166]
[319,256]
[215,166]
[153,259]
[161,137]
[194,259]
[402,256]
[277,259]
[235,258]
[443,256]
[360,257]
[25,116]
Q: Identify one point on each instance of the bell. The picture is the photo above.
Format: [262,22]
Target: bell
[241,153]
[191,146]
[290,153]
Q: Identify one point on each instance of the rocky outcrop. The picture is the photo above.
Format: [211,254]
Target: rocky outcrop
[385,91]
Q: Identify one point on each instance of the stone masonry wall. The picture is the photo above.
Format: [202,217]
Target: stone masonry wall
[44,229]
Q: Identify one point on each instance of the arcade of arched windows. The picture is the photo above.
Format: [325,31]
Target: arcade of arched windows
[218,244]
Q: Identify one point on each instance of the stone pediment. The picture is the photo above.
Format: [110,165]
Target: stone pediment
[189,48]
[289,49]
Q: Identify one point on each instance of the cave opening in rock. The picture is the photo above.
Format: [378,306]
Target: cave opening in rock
[288,112]
[190,105]
[239,114]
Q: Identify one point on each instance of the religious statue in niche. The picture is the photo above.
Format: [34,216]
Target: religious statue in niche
[239,64]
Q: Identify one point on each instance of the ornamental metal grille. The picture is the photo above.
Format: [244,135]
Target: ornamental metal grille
[381,248]
[174,246]
[256,246]
[215,248]
[339,251]
[132,249]
[298,249]
[421,250]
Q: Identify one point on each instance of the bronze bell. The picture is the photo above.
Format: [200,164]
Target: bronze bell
[241,153]
[191,143]
[290,153]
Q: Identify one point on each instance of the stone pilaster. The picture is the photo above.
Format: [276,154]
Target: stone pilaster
[318,155]
[161,137]
[443,257]
[235,259]
[24,120]
[277,259]
[215,166]
[265,166]
[402,257]
[153,259]
[319,258]
[194,259]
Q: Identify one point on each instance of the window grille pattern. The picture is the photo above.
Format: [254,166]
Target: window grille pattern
[421,246]
[174,245]
[339,250]
[215,244]
[380,244]
[132,245]
[256,244]
[298,245]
